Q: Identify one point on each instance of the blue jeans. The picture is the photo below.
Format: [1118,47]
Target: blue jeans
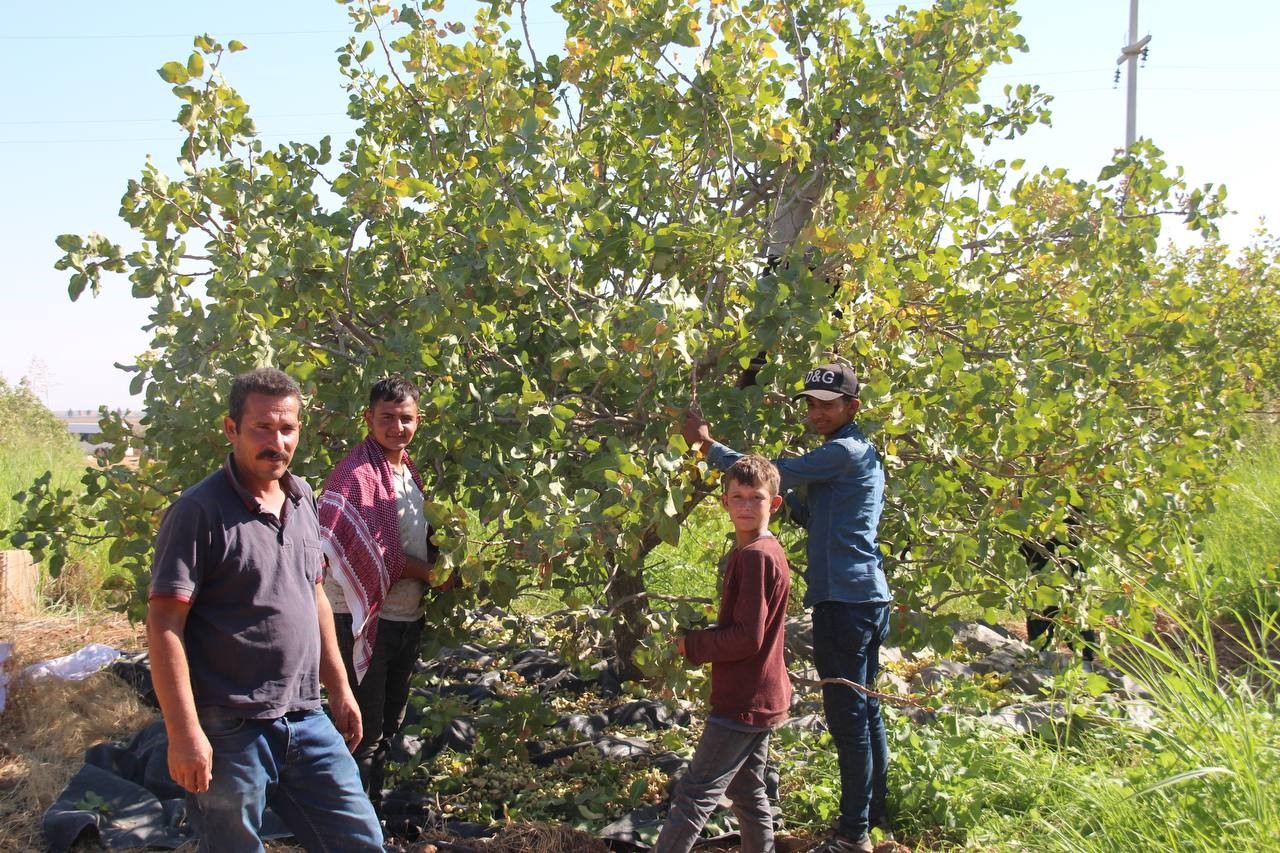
[299,765]
[846,644]
[730,763]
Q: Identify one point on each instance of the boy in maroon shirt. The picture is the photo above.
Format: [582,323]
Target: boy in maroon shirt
[750,689]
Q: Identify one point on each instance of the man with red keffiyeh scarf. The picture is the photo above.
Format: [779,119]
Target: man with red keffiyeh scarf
[380,560]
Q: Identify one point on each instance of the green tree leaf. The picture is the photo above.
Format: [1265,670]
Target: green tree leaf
[173,72]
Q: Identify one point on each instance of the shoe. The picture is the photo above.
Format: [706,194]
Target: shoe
[837,843]
[877,819]
[882,823]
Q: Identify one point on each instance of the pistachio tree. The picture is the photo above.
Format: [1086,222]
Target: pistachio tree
[565,248]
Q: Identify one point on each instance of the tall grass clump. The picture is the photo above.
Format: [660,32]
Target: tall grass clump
[1209,778]
[1201,774]
[1240,542]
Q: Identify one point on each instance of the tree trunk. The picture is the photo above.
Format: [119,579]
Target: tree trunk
[628,601]
[797,199]
[627,596]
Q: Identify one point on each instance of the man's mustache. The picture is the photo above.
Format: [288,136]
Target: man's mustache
[273,456]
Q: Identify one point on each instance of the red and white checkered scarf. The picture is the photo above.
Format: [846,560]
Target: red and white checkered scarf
[360,529]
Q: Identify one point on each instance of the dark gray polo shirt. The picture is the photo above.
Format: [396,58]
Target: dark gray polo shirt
[252,639]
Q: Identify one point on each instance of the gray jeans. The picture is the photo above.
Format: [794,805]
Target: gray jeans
[728,763]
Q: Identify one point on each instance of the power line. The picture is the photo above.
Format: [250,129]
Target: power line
[238,34]
[122,36]
[1220,67]
[1205,89]
[177,140]
[1028,76]
[154,120]
[1024,74]
[1103,69]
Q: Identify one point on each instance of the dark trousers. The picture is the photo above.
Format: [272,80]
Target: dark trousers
[383,694]
[1042,624]
[1039,556]
[846,644]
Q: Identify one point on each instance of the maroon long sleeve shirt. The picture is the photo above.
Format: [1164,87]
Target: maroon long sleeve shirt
[749,682]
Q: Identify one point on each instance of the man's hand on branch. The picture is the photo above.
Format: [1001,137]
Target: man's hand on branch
[695,429]
[449,585]
[419,570]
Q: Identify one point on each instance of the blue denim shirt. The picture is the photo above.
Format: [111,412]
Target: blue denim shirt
[837,492]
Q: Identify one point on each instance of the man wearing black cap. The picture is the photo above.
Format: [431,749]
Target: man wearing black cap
[836,491]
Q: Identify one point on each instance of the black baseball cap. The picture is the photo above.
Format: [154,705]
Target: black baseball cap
[829,381]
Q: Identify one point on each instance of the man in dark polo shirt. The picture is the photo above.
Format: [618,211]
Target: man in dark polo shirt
[241,636]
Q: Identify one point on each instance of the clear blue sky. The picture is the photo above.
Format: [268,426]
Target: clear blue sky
[83,107]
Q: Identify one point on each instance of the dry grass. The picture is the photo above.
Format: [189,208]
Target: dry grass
[47,724]
[52,634]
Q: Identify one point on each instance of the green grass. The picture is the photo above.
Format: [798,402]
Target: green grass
[691,569]
[1207,777]
[1240,541]
[1204,777]
[33,441]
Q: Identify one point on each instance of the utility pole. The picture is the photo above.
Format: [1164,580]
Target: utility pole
[1130,54]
